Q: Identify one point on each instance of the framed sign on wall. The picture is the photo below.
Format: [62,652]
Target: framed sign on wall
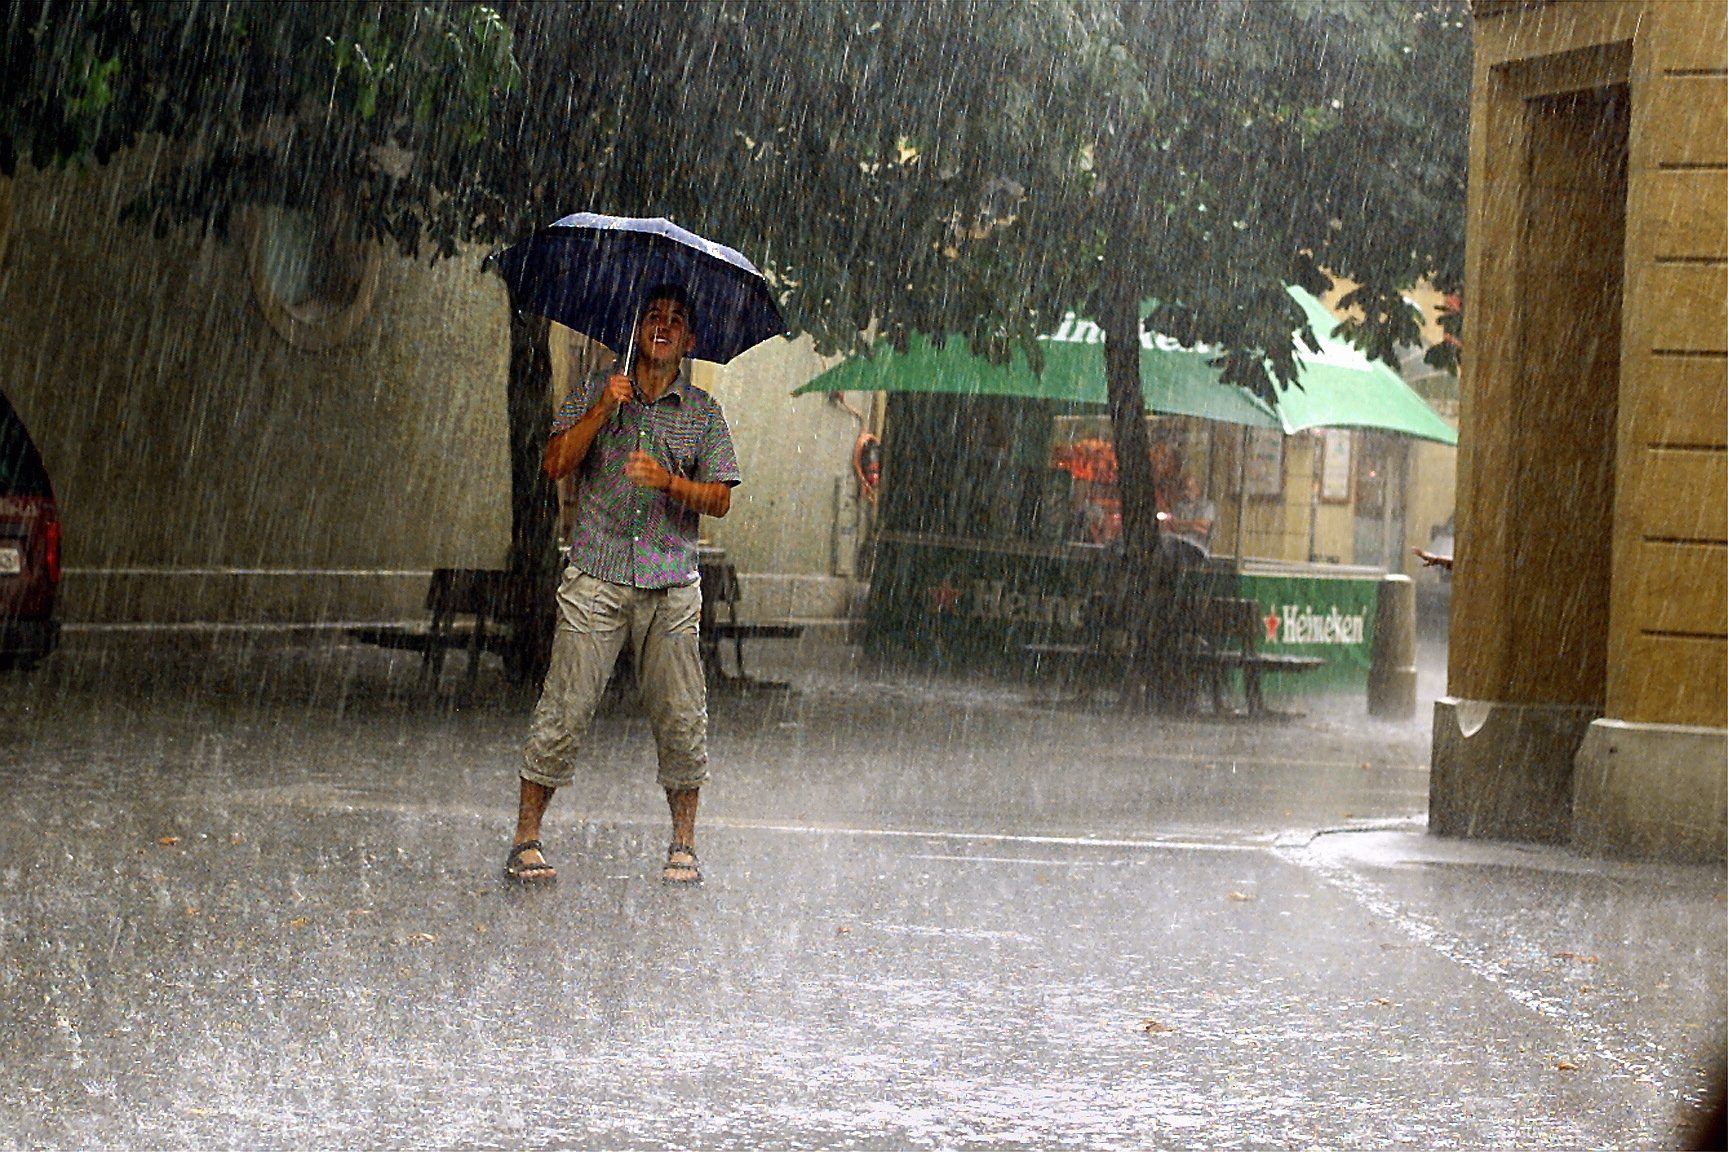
[1335,465]
[1264,466]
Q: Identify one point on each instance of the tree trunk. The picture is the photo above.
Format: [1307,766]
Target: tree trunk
[533,559]
[1143,584]
[1121,323]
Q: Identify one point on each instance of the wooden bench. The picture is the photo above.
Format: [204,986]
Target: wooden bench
[1078,664]
[720,587]
[478,592]
[484,595]
[1225,640]
[1221,637]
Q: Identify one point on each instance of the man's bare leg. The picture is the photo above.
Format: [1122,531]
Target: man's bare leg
[529,809]
[681,866]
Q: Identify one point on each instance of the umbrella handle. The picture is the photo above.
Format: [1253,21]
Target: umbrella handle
[629,365]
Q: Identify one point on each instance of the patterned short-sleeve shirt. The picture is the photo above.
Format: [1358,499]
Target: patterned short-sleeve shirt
[638,536]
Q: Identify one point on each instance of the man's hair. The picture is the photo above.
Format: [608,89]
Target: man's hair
[676,294]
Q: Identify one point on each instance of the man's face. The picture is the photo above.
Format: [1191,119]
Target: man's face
[664,335]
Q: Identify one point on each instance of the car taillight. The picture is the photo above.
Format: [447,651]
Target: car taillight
[51,539]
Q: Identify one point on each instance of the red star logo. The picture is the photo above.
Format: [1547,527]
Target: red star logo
[1271,623]
[943,597]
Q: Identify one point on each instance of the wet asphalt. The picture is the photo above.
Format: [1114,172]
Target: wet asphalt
[250,896]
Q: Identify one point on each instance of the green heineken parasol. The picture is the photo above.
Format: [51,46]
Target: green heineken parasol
[1338,387]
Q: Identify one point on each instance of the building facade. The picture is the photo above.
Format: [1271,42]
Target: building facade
[1589,657]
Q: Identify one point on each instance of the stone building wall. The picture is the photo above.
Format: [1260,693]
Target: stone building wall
[210,470]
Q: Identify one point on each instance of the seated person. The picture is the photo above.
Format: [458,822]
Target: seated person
[1191,518]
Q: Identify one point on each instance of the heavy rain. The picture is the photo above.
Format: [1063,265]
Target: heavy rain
[863,574]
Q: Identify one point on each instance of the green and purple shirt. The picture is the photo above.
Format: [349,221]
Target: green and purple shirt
[638,536]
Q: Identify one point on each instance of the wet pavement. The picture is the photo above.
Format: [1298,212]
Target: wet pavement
[249,894]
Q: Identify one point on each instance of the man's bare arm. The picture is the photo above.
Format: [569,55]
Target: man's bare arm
[566,451]
[1198,526]
[709,499]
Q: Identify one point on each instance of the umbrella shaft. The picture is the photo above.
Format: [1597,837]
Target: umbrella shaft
[629,365]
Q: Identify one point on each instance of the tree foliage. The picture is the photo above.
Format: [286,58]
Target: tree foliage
[963,168]
[386,106]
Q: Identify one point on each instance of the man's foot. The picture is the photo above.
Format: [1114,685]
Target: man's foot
[681,865]
[526,864]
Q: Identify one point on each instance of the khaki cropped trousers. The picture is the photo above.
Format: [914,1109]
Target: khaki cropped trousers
[595,618]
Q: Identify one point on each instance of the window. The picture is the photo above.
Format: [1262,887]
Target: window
[313,277]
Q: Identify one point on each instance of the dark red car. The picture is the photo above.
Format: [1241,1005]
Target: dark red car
[29,548]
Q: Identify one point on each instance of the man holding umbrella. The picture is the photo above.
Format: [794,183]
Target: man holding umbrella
[651,455]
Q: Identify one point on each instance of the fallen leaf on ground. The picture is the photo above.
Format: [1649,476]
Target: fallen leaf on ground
[423,937]
[1238,896]
[297,922]
[1565,1066]
[1155,1026]
[168,841]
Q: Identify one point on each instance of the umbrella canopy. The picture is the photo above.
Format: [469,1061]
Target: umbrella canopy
[1339,387]
[1342,388]
[1179,384]
[591,272]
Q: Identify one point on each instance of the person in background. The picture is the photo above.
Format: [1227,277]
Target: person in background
[1192,515]
[1166,473]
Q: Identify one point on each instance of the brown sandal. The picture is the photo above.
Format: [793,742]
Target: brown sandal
[695,873]
[525,874]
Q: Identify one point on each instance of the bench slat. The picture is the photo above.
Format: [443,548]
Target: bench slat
[1063,650]
[1269,661]
[729,630]
[420,640]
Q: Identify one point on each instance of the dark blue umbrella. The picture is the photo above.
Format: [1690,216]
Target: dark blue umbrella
[591,272]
